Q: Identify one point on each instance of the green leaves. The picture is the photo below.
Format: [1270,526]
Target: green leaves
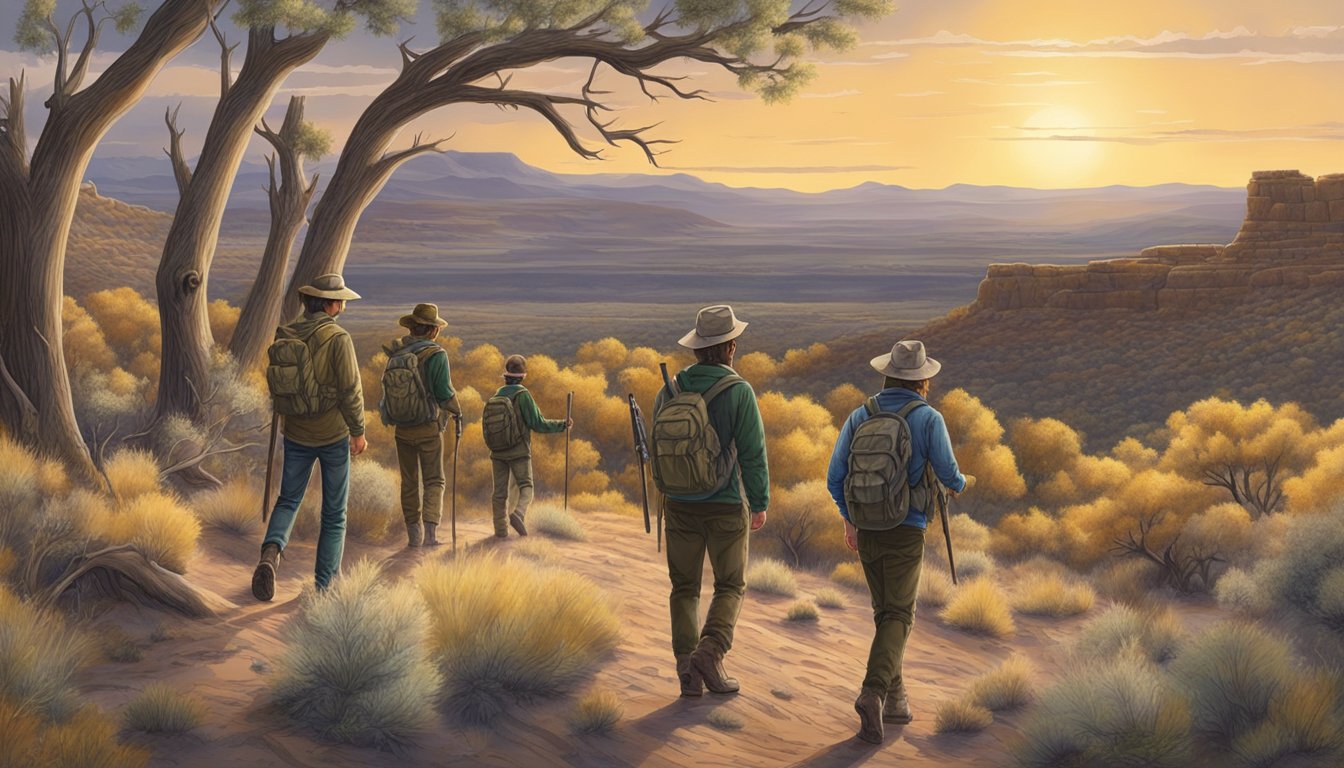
[312,142]
[33,32]
[126,17]
[502,19]
[381,17]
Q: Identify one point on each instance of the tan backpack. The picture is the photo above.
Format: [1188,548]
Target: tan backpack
[688,457]
[877,488]
[501,424]
[291,374]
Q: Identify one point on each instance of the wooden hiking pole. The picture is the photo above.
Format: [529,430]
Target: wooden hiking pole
[270,467]
[569,416]
[457,441]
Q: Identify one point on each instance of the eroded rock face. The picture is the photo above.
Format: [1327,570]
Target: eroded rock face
[1292,238]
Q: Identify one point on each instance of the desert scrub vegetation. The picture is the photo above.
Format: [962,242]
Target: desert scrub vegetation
[1006,687]
[1046,593]
[357,667]
[935,587]
[973,563]
[132,472]
[86,739]
[828,597]
[556,522]
[234,508]
[980,607]
[161,708]
[850,575]
[596,712]
[1157,633]
[802,612]
[961,716]
[1305,574]
[771,577]
[496,643]
[375,501]
[805,528]
[725,719]
[159,525]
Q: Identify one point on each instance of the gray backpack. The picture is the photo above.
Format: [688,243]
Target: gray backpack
[501,424]
[407,401]
[877,489]
[688,458]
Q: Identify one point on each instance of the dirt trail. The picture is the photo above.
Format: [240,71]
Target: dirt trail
[798,681]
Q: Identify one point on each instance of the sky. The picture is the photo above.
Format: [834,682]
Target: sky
[1046,93]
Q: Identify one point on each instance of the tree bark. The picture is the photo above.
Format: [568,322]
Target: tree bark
[182,281]
[289,210]
[123,573]
[38,205]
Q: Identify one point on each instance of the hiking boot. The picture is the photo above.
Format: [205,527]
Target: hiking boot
[516,520]
[708,661]
[263,579]
[414,536]
[692,685]
[896,710]
[502,533]
[869,707]
[430,529]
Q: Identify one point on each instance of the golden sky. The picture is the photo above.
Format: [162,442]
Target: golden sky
[1044,93]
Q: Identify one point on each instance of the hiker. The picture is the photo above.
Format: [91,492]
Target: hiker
[892,453]
[314,380]
[703,480]
[507,423]
[418,399]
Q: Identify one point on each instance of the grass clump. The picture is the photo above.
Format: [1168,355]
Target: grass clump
[87,739]
[827,597]
[1305,719]
[234,508]
[961,716]
[39,655]
[1007,687]
[1054,595]
[803,612]
[1129,580]
[555,522]
[772,577]
[538,550]
[935,588]
[725,720]
[973,563]
[156,524]
[850,575]
[160,708]
[119,646]
[1157,633]
[375,501]
[980,607]
[596,713]
[495,637]
[356,669]
[132,472]
[1232,674]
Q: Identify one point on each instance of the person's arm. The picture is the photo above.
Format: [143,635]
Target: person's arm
[941,457]
[532,415]
[439,376]
[349,387]
[839,467]
[751,456]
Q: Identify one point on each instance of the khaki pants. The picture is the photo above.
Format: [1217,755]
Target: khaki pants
[421,462]
[520,472]
[695,529]
[891,562]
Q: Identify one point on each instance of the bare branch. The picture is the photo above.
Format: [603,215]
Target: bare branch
[181,171]
[393,160]
[29,418]
[81,67]
[13,135]
[225,55]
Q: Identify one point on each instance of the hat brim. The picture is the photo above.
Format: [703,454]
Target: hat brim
[345,294]
[694,340]
[410,321]
[930,368]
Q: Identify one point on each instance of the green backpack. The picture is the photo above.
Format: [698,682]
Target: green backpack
[501,424]
[877,489]
[407,401]
[688,458]
[291,374]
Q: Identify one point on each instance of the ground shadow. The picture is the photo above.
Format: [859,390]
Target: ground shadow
[841,754]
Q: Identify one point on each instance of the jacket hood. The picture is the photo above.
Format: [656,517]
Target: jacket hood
[304,326]
[700,377]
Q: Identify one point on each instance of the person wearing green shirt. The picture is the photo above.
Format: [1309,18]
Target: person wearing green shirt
[717,523]
[516,463]
[420,446]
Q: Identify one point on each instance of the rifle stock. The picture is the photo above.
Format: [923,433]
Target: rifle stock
[641,441]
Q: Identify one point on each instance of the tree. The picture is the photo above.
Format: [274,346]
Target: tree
[977,441]
[38,196]
[761,42]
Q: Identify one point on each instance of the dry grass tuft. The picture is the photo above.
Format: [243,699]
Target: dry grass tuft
[961,716]
[803,611]
[234,508]
[1009,686]
[118,646]
[374,503]
[535,549]
[159,526]
[1232,674]
[725,720]
[596,713]
[973,563]
[39,656]
[935,588]
[554,521]
[1129,581]
[1054,595]
[132,472]
[827,597]
[771,577]
[85,740]
[1157,633]
[850,575]
[160,708]
[980,607]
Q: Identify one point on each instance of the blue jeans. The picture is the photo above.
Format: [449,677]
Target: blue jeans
[335,461]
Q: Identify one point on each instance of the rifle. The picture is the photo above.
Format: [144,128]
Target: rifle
[457,441]
[947,531]
[569,415]
[642,454]
[270,467]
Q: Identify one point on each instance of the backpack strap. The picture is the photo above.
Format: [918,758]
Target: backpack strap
[720,386]
[871,406]
[909,407]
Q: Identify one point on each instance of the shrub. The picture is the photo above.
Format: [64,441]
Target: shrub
[804,611]
[555,521]
[234,508]
[935,588]
[1128,580]
[980,607]
[20,494]
[119,646]
[850,575]
[1231,674]
[1237,590]
[1051,594]
[771,577]
[356,668]
[39,656]
[973,563]
[804,526]
[1118,712]
[160,708]
[85,740]
[725,720]
[1302,573]
[1157,633]
[961,716]
[159,526]
[375,501]
[495,639]
[131,473]
[1330,595]
[1020,534]
[1009,686]
[827,597]
[1303,720]
[539,550]
[596,712]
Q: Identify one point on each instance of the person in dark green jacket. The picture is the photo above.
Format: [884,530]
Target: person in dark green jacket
[717,523]
[516,463]
[420,446]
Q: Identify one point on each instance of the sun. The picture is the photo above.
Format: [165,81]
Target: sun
[1058,149]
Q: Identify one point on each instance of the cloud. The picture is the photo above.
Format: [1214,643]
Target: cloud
[792,168]
[833,94]
[849,141]
[1318,132]
[919,94]
[1011,84]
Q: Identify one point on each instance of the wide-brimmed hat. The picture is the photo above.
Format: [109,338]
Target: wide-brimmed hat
[714,325]
[907,361]
[331,286]
[424,314]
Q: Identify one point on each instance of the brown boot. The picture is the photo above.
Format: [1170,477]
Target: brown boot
[869,707]
[430,539]
[414,536]
[708,661]
[897,708]
[263,579]
[516,520]
[692,685]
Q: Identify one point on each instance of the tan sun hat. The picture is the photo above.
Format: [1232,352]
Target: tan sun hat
[907,361]
[330,286]
[424,314]
[713,325]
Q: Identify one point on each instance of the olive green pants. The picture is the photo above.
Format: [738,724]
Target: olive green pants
[420,460]
[695,529]
[891,562]
[520,471]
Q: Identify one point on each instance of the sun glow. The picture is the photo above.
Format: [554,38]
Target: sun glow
[1058,147]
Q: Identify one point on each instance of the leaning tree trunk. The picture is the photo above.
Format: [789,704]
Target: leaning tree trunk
[39,203]
[183,276]
[289,209]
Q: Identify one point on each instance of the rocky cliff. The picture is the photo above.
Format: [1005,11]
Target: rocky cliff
[1292,237]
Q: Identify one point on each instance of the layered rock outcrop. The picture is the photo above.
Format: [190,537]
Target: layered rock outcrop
[1292,237]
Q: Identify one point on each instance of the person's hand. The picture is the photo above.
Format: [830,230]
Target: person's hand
[758,520]
[358,445]
[851,537]
[569,423]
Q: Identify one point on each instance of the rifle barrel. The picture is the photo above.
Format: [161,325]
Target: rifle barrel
[642,454]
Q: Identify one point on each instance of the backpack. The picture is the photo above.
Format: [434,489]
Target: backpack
[501,424]
[291,374]
[688,458]
[407,401]
[877,489]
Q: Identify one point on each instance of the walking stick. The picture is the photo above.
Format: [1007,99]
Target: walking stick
[947,531]
[457,441]
[270,467]
[569,416]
